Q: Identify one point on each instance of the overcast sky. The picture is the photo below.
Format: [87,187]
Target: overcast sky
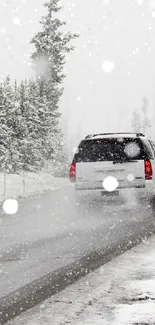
[121,32]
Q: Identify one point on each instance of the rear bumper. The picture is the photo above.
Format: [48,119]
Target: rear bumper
[98,186]
[147,191]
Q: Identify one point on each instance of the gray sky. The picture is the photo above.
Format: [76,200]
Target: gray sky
[119,31]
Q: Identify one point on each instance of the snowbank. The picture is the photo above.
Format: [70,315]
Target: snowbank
[25,184]
[120,292]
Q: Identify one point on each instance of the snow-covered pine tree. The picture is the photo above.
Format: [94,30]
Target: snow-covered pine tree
[51,45]
[22,130]
[50,140]
[140,119]
[29,146]
[44,115]
[146,123]
[136,121]
[12,157]
[34,126]
[4,131]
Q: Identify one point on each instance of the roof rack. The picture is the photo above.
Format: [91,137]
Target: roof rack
[138,134]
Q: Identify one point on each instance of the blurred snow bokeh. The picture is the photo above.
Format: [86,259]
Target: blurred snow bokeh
[110,183]
[130,177]
[132,150]
[16,21]
[10,206]
[108,66]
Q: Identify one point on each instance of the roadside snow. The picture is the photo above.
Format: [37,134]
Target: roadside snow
[120,292]
[23,185]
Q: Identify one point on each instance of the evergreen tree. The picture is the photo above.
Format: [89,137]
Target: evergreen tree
[22,130]
[145,119]
[12,158]
[44,119]
[140,120]
[51,46]
[29,112]
[136,121]
[4,131]
[30,150]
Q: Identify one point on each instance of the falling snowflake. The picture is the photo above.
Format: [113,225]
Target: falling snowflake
[10,206]
[132,150]
[42,306]
[105,27]
[16,21]
[110,183]
[130,177]
[153,14]
[78,99]
[108,66]
[135,51]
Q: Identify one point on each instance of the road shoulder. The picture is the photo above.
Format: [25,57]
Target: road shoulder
[120,292]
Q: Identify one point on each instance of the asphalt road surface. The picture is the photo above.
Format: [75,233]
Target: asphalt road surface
[55,229]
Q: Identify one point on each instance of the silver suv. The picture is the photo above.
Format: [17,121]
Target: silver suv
[112,162]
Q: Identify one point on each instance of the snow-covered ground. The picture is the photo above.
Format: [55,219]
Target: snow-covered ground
[15,185]
[120,292]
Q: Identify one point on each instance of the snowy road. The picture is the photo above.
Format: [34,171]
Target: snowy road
[122,292]
[51,231]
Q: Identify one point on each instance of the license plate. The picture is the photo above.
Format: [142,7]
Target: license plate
[114,193]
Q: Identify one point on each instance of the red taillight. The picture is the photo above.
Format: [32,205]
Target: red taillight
[72,173]
[148,169]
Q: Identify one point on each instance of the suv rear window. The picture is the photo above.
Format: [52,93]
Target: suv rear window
[122,150]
